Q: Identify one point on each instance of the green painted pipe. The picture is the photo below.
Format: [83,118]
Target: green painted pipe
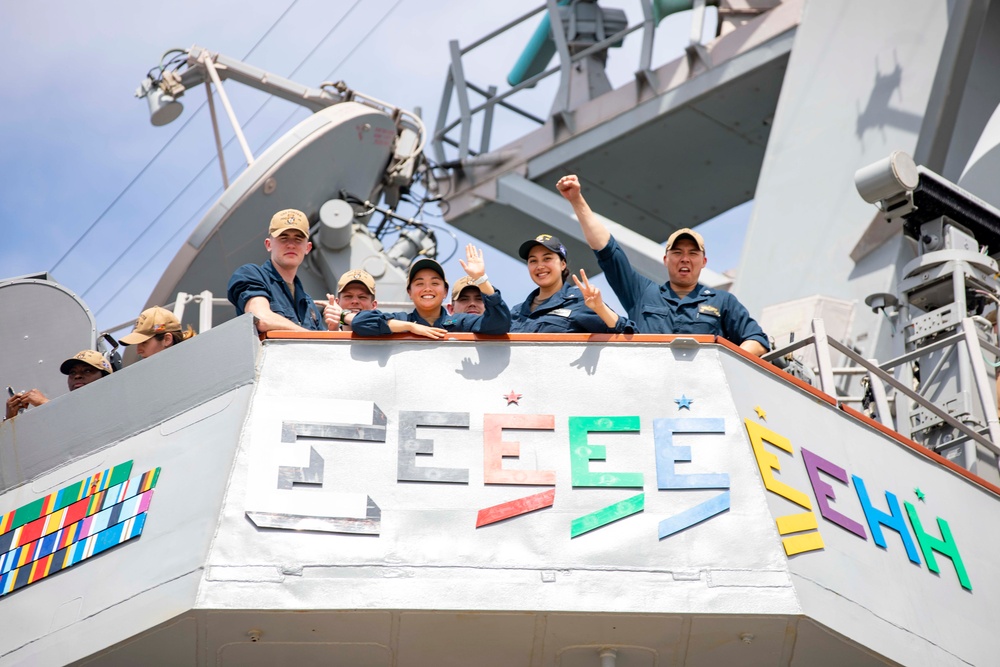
[541,47]
[537,53]
[664,8]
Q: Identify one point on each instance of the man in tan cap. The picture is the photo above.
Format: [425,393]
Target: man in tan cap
[155,330]
[355,292]
[272,291]
[81,369]
[466,298]
[682,305]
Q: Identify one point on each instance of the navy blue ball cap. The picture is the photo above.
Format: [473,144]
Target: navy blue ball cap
[546,241]
[424,263]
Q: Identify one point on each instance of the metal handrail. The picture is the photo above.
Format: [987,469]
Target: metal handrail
[877,371]
[457,86]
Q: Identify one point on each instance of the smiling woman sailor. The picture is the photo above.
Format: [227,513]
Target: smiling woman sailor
[558,306]
[428,288]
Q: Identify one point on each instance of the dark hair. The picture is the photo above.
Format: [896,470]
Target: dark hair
[176,337]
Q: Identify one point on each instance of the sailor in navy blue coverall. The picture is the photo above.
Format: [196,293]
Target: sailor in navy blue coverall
[427,287]
[556,305]
[272,291]
[682,305]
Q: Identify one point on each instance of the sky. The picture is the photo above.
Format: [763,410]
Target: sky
[93,193]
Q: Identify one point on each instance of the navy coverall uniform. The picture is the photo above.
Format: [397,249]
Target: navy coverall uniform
[656,308]
[251,280]
[494,320]
[563,312]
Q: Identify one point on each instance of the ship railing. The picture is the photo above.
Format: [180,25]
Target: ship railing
[881,375]
[457,84]
[204,300]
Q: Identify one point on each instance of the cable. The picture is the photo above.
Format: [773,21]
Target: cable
[173,201]
[124,191]
[166,243]
[212,161]
[269,30]
[147,229]
[142,171]
[363,39]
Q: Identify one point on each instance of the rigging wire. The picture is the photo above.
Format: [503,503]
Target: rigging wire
[264,143]
[160,152]
[211,161]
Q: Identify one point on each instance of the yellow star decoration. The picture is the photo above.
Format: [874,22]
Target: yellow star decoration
[760,412]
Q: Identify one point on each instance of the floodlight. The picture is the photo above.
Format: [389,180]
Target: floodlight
[163,107]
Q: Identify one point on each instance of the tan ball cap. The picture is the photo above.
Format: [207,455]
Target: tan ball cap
[356,276]
[89,357]
[290,218]
[461,284]
[151,322]
[695,236]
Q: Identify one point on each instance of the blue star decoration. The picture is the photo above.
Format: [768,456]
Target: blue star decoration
[920,494]
[683,403]
[512,397]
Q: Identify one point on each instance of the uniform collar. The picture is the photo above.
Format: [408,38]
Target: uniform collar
[564,294]
[699,292]
[415,317]
[269,265]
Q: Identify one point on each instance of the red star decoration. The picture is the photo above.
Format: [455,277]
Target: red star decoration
[512,397]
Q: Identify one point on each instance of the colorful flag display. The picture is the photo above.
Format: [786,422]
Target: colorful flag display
[73,524]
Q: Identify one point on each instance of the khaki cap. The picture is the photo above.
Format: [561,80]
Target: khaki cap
[290,218]
[695,236]
[152,321]
[89,357]
[461,284]
[356,276]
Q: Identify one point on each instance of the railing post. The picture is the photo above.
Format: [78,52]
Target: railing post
[645,75]
[179,303]
[442,119]
[484,144]
[462,91]
[205,311]
[881,400]
[823,358]
[981,379]
[561,105]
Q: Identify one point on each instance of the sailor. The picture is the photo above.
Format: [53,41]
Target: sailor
[272,291]
[355,292]
[81,369]
[156,329]
[556,305]
[682,305]
[427,287]
[466,298]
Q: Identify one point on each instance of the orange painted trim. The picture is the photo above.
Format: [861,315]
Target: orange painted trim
[919,449]
[777,372]
[305,335]
[516,337]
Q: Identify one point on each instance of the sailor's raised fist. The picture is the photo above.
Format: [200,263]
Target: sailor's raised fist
[569,186]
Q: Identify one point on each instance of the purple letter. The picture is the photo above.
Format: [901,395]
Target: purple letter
[824,492]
